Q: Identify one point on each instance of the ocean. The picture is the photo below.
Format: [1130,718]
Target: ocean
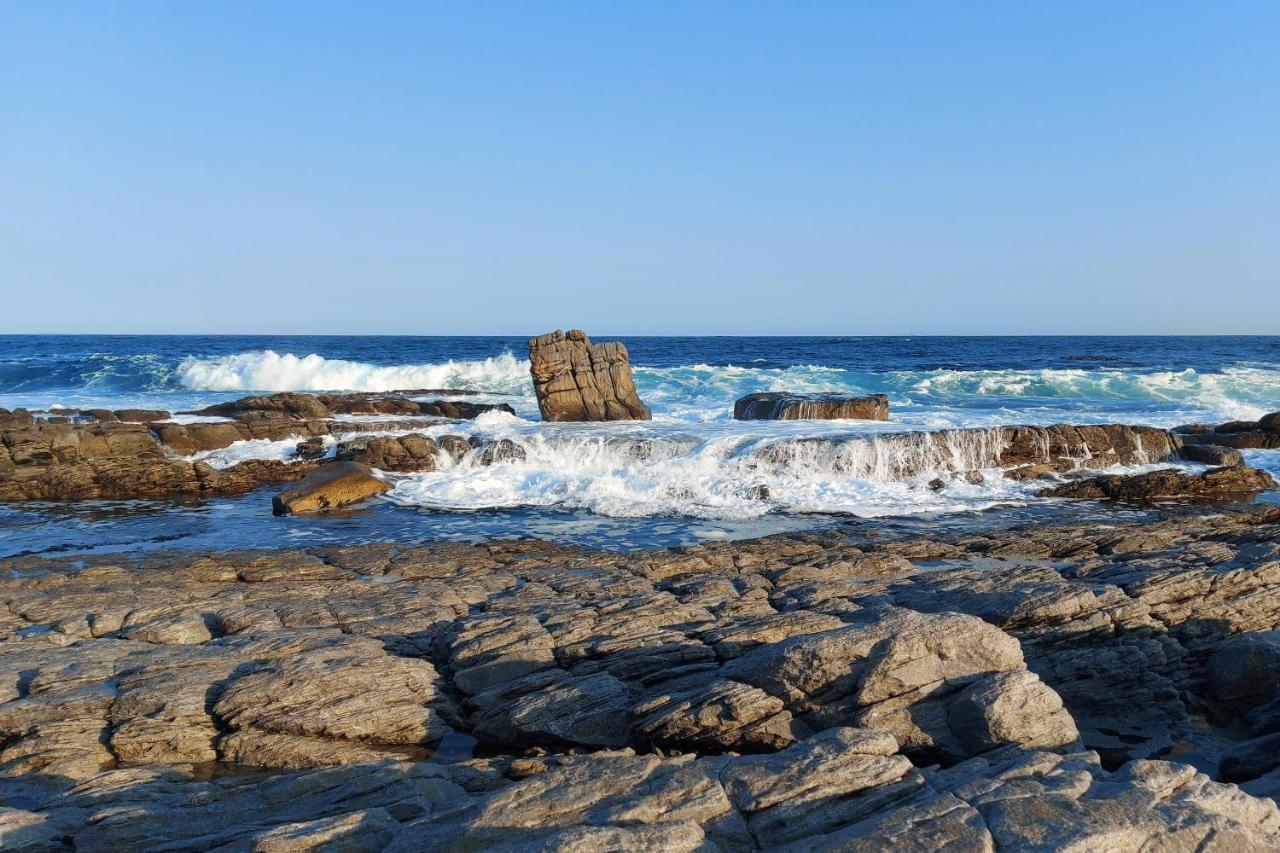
[697,475]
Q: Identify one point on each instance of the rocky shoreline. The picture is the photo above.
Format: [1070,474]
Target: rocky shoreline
[1085,685]
[1036,688]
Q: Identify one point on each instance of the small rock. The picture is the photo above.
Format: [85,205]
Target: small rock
[311,448]
[455,445]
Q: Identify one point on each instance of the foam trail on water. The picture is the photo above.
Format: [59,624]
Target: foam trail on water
[267,370]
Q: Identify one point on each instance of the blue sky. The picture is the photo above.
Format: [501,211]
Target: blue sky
[641,168]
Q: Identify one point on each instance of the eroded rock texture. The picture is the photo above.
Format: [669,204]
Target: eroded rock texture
[139,454]
[576,380]
[1035,688]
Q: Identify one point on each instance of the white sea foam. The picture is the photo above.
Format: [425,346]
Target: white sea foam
[267,370]
[725,476]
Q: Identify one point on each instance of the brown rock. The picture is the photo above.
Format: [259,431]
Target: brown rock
[783,406]
[460,410]
[311,448]
[335,485]
[1170,483]
[1270,423]
[141,416]
[402,453]
[1211,454]
[288,404]
[576,380]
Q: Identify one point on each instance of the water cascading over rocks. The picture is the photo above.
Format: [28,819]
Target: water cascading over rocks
[782,406]
[898,456]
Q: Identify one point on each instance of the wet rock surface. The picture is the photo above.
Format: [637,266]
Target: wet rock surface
[1035,688]
[773,405]
[332,486]
[1262,434]
[1216,483]
[88,454]
[576,380]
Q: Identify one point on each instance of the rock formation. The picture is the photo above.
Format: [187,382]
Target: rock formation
[135,454]
[770,405]
[1014,689]
[576,380]
[1263,433]
[1232,481]
[898,456]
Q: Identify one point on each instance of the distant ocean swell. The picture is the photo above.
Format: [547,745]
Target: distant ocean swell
[694,391]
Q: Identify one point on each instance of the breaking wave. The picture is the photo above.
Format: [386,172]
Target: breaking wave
[267,370]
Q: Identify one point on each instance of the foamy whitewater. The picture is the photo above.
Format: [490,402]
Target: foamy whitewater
[693,461]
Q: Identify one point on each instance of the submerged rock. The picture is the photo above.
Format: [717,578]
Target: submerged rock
[576,380]
[333,486]
[773,405]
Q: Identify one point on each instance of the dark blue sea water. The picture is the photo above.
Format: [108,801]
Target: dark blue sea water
[579,483]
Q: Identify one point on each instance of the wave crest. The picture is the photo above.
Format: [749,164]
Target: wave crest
[267,370]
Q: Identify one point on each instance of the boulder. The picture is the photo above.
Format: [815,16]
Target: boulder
[399,453]
[333,486]
[774,406]
[1229,482]
[311,448]
[1211,454]
[1270,423]
[460,410]
[576,380]
[502,450]
[1236,426]
[456,446]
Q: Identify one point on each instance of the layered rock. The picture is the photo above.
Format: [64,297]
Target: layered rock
[135,454]
[771,405]
[1216,483]
[41,459]
[576,380]
[1263,433]
[899,456]
[748,695]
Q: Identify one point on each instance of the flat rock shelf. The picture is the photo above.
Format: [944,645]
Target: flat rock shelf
[1081,685]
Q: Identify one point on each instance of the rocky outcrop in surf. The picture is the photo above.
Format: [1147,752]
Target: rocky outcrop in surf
[317,406]
[1216,483]
[52,459]
[771,405]
[1262,434]
[576,380]
[900,456]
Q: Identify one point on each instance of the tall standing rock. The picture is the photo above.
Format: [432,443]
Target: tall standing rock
[576,380]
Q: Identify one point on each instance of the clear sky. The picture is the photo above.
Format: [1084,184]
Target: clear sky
[640,167]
